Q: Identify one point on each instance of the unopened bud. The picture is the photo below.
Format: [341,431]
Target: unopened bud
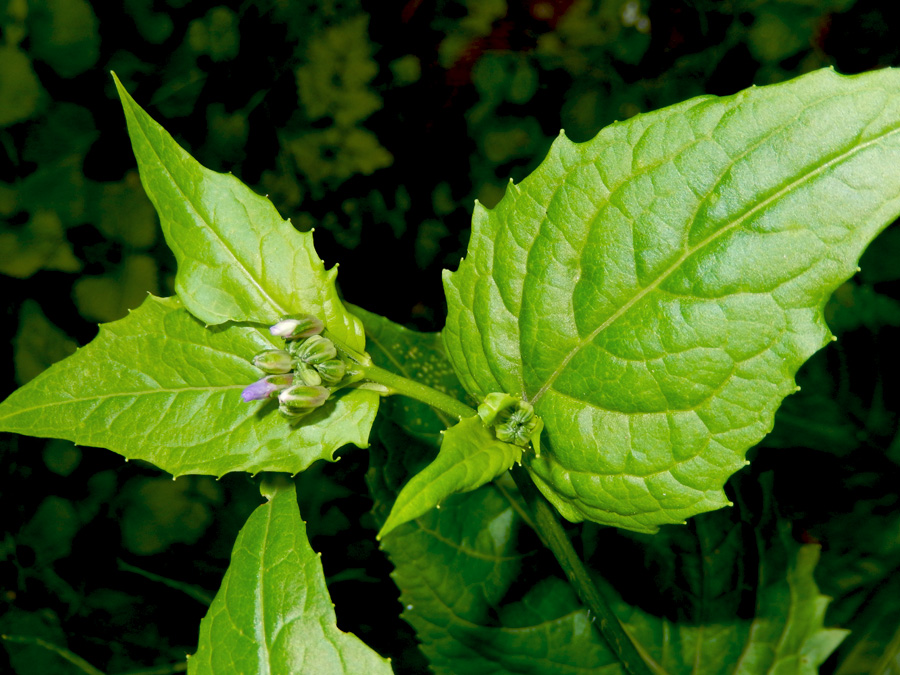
[307,375]
[297,326]
[303,397]
[273,361]
[267,387]
[493,405]
[316,350]
[332,371]
[513,420]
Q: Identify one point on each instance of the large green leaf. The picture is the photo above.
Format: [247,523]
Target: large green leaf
[470,456]
[653,291]
[238,260]
[161,387]
[273,613]
[482,602]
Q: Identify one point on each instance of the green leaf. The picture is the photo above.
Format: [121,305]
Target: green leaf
[37,645]
[653,291]
[39,244]
[38,344]
[470,456]
[481,600]
[110,297]
[64,34]
[161,387]
[273,613]
[20,89]
[238,260]
[874,644]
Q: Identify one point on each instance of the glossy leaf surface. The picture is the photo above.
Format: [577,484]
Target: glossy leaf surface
[161,387]
[653,291]
[238,260]
[470,456]
[273,613]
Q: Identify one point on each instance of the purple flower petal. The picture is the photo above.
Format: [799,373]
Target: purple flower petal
[267,387]
[257,391]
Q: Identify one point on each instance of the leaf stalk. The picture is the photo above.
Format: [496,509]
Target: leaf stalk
[397,384]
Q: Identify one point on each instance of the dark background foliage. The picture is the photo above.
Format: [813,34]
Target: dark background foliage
[378,124]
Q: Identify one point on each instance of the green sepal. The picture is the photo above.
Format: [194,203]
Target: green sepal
[493,404]
[315,350]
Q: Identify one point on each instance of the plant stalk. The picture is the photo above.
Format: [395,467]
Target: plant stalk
[553,535]
[397,384]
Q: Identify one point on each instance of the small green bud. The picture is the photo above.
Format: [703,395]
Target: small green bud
[273,361]
[307,375]
[316,349]
[297,326]
[492,406]
[302,397]
[332,371]
[513,420]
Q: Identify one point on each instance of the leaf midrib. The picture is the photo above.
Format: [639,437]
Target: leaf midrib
[259,623]
[690,251]
[129,394]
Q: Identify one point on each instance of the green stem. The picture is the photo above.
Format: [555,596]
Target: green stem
[397,384]
[554,537]
[63,653]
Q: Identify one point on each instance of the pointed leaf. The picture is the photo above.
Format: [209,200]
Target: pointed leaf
[273,613]
[161,387]
[470,456]
[653,291]
[238,260]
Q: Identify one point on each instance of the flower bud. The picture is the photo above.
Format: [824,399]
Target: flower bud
[493,405]
[297,326]
[316,350]
[301,397]
[307,375]
[332,371]
[267,387]
[273,361]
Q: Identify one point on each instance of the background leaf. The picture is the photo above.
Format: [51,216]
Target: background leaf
[273,612]
[483,596]
[653,291]
[159,386]
[238,260]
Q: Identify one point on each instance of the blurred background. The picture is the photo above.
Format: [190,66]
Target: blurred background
[378,124]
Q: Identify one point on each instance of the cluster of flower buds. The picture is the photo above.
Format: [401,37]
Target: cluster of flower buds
[513,420]
[298,375]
